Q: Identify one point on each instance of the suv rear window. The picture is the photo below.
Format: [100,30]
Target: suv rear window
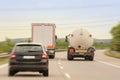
[28,48]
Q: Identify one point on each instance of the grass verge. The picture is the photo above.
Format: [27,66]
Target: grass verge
[4,60]
[60,50]
[115,55]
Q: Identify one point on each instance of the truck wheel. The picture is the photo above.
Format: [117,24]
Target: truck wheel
[69,57]
[46,73]
[52,57]
[86,58]
[91,58]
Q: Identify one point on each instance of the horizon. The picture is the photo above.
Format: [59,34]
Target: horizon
[99,17]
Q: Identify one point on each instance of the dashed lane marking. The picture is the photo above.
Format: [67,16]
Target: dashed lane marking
[61,67]
[67,75]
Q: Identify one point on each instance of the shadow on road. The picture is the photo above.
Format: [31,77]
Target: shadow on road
[28,75]
[75,59]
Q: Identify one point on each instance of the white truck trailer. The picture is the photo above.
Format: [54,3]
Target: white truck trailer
[80,45]
[45,33]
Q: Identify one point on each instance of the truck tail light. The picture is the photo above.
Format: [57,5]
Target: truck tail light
[50,46]
[44,56]
[12,56]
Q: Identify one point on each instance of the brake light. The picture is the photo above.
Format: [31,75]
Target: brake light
[13,56]
[44,56]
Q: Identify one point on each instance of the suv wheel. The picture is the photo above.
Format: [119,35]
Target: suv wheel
[11,73]
[45,73]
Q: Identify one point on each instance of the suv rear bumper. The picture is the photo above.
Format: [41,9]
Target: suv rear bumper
[28,67]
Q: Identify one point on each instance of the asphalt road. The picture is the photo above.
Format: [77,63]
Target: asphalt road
[102,68]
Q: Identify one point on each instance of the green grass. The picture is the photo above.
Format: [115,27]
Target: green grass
[61,45]
[60,50]
[115,55]
[99,45]
[4,60]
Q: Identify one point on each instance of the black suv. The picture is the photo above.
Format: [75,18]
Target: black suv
[28,57]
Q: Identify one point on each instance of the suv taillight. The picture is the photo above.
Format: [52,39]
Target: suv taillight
[12,56]
[44,56]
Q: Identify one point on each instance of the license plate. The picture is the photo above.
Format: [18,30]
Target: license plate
[28,57]
[81,51]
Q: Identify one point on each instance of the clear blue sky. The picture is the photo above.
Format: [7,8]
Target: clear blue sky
[98,16]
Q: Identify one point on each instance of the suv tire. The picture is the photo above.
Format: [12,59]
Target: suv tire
[46,73]
[11,73]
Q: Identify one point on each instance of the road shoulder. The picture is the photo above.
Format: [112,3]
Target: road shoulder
[101,57]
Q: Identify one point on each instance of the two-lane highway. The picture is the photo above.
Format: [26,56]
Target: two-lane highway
[102,68]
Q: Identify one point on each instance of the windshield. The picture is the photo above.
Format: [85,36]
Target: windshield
[28,48]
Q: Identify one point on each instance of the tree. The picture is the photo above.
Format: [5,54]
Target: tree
[2,47]
[9,44]
[6,46]
[115,44]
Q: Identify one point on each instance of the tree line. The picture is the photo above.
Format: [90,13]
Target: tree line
[6,46]
[115,44]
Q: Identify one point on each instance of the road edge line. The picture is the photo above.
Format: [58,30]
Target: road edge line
[4,65]
[116,66]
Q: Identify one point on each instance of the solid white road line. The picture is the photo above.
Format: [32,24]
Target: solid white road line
[4,65]
[67,75]
[116,66]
